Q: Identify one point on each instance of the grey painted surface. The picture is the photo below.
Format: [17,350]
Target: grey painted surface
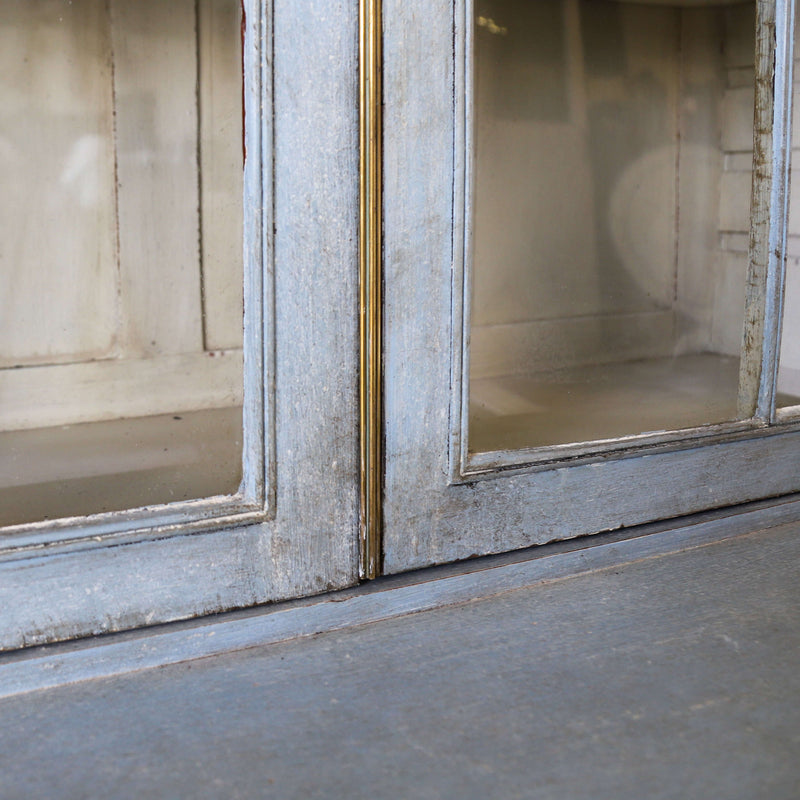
[72,662]
[310,544]
[429,517]
[668,677]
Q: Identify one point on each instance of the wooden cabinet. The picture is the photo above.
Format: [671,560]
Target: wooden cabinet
[583,283]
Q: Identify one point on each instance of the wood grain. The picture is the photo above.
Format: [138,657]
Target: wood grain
[221,170]
[155,78]
[58,281]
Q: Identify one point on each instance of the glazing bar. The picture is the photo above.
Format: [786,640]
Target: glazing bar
[768,210]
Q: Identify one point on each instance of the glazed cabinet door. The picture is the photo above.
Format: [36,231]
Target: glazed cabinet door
[589,260]
[178,309]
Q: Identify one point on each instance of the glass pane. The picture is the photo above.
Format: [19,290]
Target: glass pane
[613,150]
[789,364]
[120,255]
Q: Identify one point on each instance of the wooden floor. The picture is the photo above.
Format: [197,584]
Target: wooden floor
[670,676]
[94,467]
[603,401]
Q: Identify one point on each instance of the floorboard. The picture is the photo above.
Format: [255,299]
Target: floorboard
[670,677]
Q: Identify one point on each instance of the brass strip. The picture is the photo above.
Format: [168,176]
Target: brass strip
[371,278]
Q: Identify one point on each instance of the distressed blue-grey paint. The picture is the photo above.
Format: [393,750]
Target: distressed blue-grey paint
[432,514]
[117,655]
[772,138]
[306,53]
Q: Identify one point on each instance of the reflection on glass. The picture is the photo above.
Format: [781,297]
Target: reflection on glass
[120,254]
[789,364]
[613,148]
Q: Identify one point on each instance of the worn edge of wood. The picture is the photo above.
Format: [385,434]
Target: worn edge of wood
[526,460]
[779,229]
[461,245]
[258,480]
[57,665]
[768,209]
